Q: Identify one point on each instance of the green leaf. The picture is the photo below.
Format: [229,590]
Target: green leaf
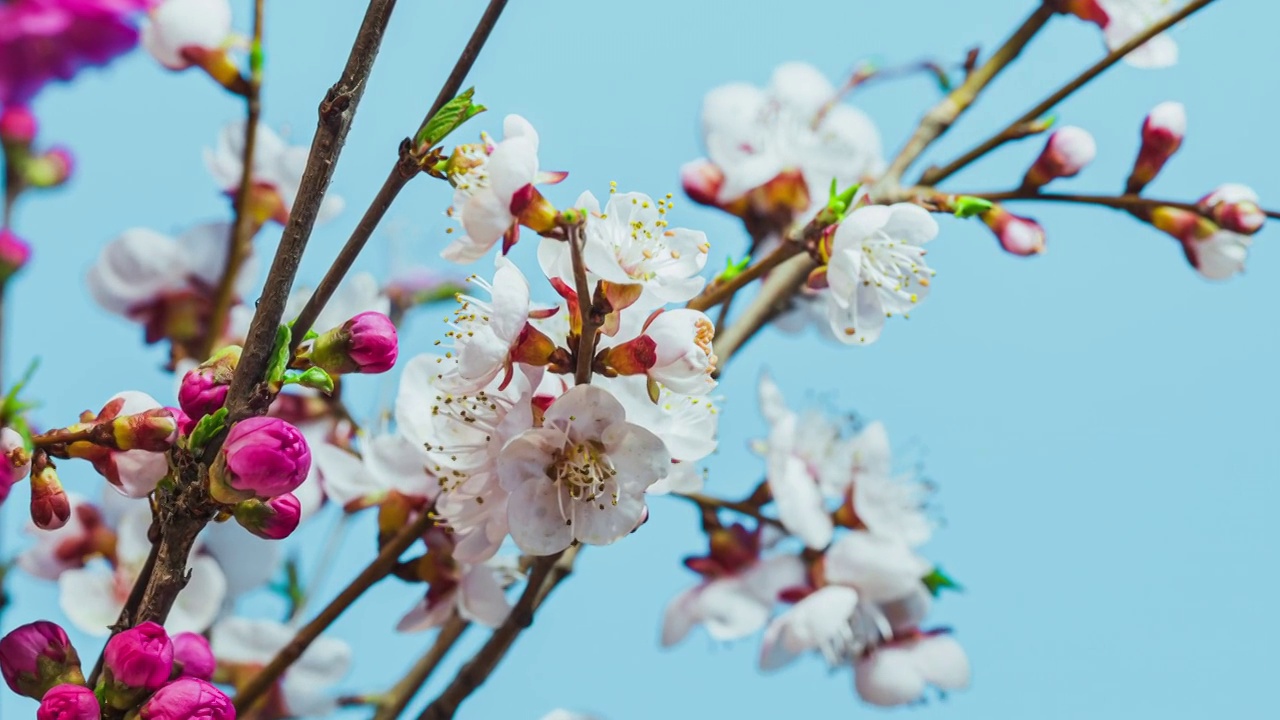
[12,407]
[279,355]
[206,429]
[733,269]
[968,206]
[314,378]
[450,117]
[256,60]
[937,581]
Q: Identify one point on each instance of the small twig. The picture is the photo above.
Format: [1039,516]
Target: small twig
[400,175]
[707,502]
[719,292]
[393,703]
[240,242]
[774,296]
[1135,204]
[375,571]
[943,115]
[935,175]
[547,572]
[587,337]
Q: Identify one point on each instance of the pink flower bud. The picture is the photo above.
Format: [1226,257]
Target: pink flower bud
[69,702]
[187,698]
[1065,154]
[17,126]
[204,388]
[185,423]
[1162,134]
[1087,10]
[50,508]
[15,462]
[36,657]
[14,254]
[1017,235]
[192,652]
[140,657]
[1235,208]
[274,519]
[702,180]
[364,344]
[49,169]
[263,457]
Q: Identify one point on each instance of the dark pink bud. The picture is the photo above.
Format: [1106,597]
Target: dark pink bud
[1234,207]
[14,254]
[49,169]
[50,508]
[373,341]
[263,457]
[36,657]
[1017,235]
[274,519]
[1162,134]
[69,702]
[17,126]
[702,181]
[1065,154]
[192,653]
[185,423]
[140,657]
[204,388]
[187,698]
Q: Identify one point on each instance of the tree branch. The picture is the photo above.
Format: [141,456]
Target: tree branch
[240,243]
[404,171]
[775,294]
[935,175]
[393,703]
[941,117]
[719,292]
[547,572]
[336,113]
[381,566]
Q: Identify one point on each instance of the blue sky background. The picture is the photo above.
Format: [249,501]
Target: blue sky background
[1100,420]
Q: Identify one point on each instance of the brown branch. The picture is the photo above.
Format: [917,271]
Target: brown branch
[393,703]
[589,325]
[941,117]
[375,571]
[706,502]
[774,297]
[405,170]
[719,292]
[1135,204]
[336,113]
[240,243]
[547,572]
[935,175]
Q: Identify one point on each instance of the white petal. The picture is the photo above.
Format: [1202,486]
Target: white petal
[480,597]
[88,598]
[888,677]
[533,515]
[200,601]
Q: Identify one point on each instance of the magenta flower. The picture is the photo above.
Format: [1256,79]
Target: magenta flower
[263,457]
[192,652]
[366,343]
[46,40]
[140,657]
[187,698]
[14,254]
[17,126]
[204,388]
[69,702]
[274,519]
[36,657]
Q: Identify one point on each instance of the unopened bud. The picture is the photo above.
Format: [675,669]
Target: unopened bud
[1215,253]
[274,519]
[69,702]
[49,169]
[187,698]
[533,211]
[1017,235]
[50,508]
[204,388]
[702,180]
[1234,207]
[263,457]
[367,343]
[140,658]
[17,126]
[1065,154]
[1162,134]
[14,254]
[37,657]
[193,656]
[150,430]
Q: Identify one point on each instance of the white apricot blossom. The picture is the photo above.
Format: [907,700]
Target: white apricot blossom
[277,171]
[243,646]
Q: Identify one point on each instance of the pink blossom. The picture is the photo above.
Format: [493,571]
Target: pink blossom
[1064,155]
[187,698]
[14,254]
[1017,235]
[1162,134]
[46,40]
[274,519]
[69,702]
[37,656]
[17,126]
[192,653]
[15,463]
[262,457]
[140,657]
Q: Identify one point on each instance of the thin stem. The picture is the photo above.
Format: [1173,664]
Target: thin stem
[720,292]
[775,294]
[375,571]
[1132,203]
[941,117]
[935,175]
[335,115]
[547,572]
[240,243]
[394,702]
[400,175]
[587,334]
[707,502]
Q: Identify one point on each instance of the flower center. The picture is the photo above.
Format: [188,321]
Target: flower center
[584,473]
[640,241]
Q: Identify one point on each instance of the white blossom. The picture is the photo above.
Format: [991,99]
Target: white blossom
[277,167]
[251,644]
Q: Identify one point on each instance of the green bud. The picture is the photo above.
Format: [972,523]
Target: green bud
[967,206]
